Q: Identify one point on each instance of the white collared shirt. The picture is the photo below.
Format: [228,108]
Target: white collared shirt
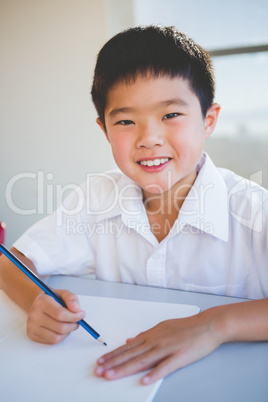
[217,245]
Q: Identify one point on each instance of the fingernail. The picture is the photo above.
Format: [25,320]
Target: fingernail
[110,373]
[74,302]
[99,370]
[145,380]
[101,360]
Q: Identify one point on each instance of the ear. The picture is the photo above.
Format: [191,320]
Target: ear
[102,127]
[211,119]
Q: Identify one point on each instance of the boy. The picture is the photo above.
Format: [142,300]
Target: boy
[169,219]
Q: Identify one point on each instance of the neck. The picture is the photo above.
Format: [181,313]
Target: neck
[171,200]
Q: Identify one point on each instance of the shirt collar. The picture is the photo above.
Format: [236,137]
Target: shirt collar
[125,199]
[206,205]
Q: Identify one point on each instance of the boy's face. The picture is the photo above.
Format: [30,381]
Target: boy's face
[156,130]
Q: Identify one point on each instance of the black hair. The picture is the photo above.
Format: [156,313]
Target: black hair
[157,51]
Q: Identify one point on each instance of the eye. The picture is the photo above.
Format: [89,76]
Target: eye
[125,122]
[170,116]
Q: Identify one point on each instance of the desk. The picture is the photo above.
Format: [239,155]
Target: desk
[235,372]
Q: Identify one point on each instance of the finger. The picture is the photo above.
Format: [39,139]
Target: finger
[59,327]
[126,356]
[62,314]
[169,364]
[140,363]
[162,369]
[47,326]
[45,304]
[70,299]
[45,335]
[129,340]
[122,349]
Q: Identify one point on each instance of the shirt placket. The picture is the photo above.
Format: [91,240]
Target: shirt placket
[156,267]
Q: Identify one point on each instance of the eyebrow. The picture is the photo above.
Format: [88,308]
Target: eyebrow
[168,102]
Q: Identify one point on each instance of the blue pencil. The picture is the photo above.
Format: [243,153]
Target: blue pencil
[47,290]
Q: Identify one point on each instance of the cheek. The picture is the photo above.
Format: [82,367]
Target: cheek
[189,136]
[120,148]
[182,143]
[189,148]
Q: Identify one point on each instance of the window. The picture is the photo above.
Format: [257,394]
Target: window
[236,33]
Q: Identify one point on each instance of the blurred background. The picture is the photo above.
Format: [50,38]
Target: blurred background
[49,139]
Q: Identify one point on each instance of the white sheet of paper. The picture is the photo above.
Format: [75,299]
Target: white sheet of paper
[32,372]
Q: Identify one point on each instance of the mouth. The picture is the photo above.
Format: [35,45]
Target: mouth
[153,162]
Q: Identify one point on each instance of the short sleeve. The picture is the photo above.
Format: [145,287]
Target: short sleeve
[260,245]
[59,244]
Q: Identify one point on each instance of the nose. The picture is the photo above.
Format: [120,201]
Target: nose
[150,136]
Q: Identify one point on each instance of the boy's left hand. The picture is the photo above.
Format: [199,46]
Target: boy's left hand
[165,348]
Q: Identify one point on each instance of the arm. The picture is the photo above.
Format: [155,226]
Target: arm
[48,321]
[174,344]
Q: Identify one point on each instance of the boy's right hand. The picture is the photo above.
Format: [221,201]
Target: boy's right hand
[49,322]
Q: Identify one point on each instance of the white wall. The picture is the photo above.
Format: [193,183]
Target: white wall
[240,141]
[47,125]
[47,121]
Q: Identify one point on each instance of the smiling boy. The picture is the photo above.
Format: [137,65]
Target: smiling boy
[184,224]
[157,132]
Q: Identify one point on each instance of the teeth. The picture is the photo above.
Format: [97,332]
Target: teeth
[155,162]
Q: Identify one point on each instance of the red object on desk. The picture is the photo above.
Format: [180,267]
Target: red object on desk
[2,232]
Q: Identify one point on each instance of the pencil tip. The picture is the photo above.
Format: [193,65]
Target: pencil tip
[102,341]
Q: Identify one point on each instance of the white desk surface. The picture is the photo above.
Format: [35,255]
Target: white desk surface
[235,372]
